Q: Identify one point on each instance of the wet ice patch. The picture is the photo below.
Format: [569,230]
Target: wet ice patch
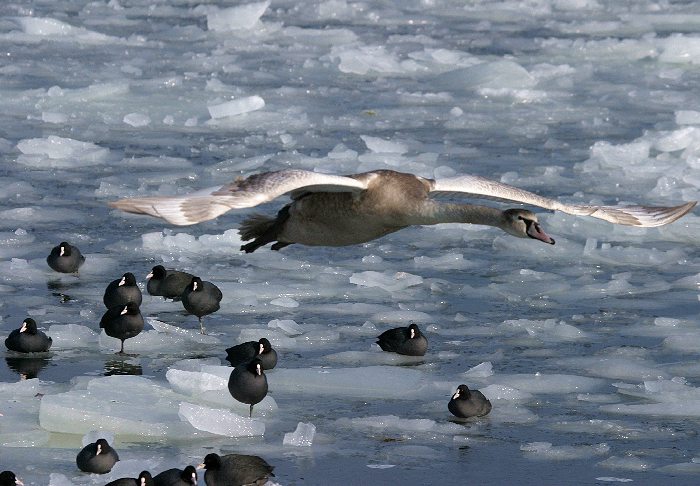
[369,358]
[394,424]
[362,382]
[391,282]
[550,383]
[547,451]
[546,330]
[66,336]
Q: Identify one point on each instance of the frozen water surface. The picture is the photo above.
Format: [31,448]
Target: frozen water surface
[588,350]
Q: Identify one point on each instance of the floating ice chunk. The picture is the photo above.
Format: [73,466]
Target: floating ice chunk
[287,326]
[450,261]
[682,409]
[626,156]
[211,385]
[276,338]
[546,330]
[611,479]
[686,342]
[617,429]
[303,436]
[678,139]
[369,59]
[692,467]
[502,392]
[48,27]
[93,435]
[627,463]
[366,329]
[220,422]
[59,153]
[545,450]
[125,405]
[379,145]
[72,336]
[131,467]
[495,75]
[236,18]
[680,49]
[184,244]
[598,397]
[284,302]
[52,117]
[195,364]
[236,107]
[336,9]
[482,370]
[619,367]
[362,382]
[165,337]
[137,119]
[387,280]
[550,383]
[195,382]
[667,322]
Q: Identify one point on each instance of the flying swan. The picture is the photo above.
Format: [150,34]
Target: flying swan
[332,210]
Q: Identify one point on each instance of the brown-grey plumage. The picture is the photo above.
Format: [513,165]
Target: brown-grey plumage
[8,478]
[144,479]
[331,210]
[122,291]
[248,383]
[65,258]
[176,477]
[235,470]
[170,284]
[28,339]
[98,457]
[244,352]
[468,403]
[122,322]
[404,340]
[201,298]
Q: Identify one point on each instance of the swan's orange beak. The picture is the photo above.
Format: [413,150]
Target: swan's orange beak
[534,231]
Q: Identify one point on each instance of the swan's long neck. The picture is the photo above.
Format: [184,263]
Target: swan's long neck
[435,213]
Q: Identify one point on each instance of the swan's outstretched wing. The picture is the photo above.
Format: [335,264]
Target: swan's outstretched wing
[242,193]
[645,216]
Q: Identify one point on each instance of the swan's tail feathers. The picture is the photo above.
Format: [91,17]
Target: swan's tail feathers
[255,226]
[642,216]
[263,230]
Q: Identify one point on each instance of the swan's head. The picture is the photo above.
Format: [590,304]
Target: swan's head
[523,224]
